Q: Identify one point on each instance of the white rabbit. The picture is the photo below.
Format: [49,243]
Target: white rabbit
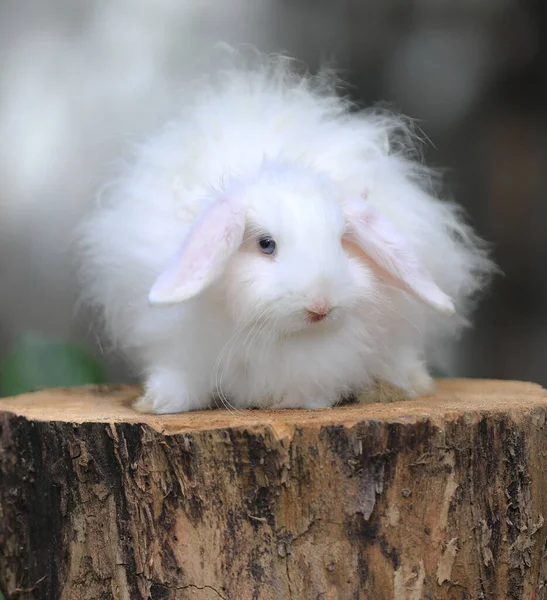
[274,247]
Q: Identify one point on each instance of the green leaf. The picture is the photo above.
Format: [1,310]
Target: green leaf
[2,596]
[37,363]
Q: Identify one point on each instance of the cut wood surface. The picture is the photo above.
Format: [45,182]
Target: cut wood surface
[442,497]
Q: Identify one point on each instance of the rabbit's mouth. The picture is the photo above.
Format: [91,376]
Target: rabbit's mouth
[316,317]
[318,310]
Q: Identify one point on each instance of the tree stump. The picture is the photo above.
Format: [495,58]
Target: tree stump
[437,498]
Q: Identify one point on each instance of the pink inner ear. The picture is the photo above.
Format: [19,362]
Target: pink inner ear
[379,239]
[209,244]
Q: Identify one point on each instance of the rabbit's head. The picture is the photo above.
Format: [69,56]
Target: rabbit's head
[286,247]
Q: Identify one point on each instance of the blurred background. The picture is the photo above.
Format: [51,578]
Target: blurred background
[79,79]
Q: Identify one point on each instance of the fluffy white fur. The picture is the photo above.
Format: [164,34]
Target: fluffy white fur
[291,148]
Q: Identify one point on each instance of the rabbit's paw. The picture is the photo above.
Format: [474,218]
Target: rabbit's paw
[144,404]
[421,382]
[168,391]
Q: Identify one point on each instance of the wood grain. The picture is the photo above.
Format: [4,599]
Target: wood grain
[439,498]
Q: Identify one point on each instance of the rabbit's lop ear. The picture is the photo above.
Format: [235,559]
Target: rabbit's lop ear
[378,238]
[211,241]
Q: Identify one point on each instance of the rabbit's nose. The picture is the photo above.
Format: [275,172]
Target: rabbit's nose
[318,310]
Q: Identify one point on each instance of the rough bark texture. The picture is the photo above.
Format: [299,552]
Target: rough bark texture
[438,498]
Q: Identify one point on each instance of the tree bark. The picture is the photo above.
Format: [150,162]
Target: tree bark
[437,498]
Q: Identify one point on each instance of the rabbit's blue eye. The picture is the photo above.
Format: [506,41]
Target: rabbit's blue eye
[267,244]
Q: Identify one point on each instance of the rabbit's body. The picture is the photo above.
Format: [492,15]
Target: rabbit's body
[276,154]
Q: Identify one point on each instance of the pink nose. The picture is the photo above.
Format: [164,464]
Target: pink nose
[318,310]
[320,307]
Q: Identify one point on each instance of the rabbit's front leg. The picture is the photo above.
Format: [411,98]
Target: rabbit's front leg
[406,369]
[420,381]
[170,390]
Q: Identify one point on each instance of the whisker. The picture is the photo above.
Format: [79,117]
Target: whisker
[220,356]
[229,348]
